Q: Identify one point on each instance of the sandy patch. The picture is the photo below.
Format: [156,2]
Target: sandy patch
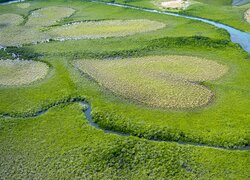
[175,4]
[247,15]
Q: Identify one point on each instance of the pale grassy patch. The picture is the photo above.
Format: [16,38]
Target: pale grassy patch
[159,81]
[247,15]
[23,5]
[49,16]
[20,72]
[172,4]
[108,28]
[19,35]
[11,35]
[7,20]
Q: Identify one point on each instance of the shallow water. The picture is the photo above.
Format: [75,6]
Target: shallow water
[240,2]
[12,1]
[237,36]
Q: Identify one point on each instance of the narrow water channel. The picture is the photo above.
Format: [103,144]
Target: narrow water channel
[87,113]
[237,36]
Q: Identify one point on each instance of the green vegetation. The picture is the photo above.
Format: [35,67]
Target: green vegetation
[54,147]
[16,72]
[62,144]
[221,11]
[166,82]
[217,3]
[217,10]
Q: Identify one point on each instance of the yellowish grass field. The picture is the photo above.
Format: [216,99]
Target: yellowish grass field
[159,81]
[20,72]
[108,28]
[23,5]
[13,35]
[49,16]
[7,20]
[19,35]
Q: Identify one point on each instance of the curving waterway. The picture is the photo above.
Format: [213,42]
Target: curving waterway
[87,113]
[237,36]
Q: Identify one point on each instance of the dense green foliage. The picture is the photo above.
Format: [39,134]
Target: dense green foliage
[62,144]
[54,147]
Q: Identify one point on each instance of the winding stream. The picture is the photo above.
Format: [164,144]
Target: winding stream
[87,113]
[237,36]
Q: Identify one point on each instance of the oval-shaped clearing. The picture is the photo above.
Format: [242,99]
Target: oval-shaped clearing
[103,29]
[8,19]
[11,35]
[159,81]
[21,72]
[48,16]
[247,15]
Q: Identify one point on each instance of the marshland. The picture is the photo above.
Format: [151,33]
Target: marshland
[123,90]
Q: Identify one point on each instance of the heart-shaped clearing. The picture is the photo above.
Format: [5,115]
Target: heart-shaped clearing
[159,81]
[104,29]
